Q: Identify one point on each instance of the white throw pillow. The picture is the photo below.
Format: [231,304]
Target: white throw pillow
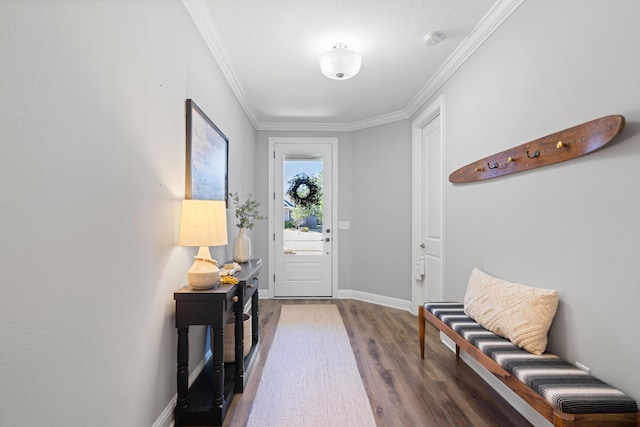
[520,313]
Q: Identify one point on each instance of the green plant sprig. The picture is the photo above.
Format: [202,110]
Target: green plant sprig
[247,212]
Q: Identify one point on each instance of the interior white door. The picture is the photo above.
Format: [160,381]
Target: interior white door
[432,210]
[303,237]
[428,208]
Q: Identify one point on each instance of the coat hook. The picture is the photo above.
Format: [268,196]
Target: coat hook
[557,147]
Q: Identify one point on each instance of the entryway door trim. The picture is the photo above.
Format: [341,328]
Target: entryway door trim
[334,206]
[435,110]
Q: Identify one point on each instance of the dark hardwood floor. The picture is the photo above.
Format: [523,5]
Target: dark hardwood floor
[403,389]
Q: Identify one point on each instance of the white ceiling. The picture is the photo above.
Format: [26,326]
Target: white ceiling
[269,52]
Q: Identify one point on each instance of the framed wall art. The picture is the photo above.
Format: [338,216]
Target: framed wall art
[207,168]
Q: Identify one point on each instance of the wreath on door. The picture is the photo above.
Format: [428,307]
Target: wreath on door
[304,191]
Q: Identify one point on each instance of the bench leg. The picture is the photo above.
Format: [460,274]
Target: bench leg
[562,420]
[421,322]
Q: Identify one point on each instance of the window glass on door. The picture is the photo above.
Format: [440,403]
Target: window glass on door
[303,193]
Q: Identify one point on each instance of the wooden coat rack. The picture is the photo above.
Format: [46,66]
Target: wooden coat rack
[558,147]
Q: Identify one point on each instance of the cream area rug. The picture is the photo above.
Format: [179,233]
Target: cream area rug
[311,377]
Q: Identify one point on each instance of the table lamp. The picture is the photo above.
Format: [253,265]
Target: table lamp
[203,223]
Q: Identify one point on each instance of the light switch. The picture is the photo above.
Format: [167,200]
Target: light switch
[343,225]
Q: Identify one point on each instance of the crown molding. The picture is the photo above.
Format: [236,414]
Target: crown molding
[304,126]
[202,19]
[380,120]
[335,127]
[498,13]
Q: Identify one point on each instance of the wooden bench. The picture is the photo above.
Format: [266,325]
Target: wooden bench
[606,407]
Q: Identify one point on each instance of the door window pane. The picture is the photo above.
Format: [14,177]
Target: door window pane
[302,205]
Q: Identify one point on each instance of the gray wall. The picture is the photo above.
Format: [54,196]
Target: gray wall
[382,210]
[572,226]
[92,173]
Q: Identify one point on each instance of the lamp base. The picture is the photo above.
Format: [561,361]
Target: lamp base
[203,274]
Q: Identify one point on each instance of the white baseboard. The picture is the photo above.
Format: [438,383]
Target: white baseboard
[375,299]
[166,417]
[512,399]
[360,296]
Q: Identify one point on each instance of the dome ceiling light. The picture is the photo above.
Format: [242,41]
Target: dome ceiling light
[340,63]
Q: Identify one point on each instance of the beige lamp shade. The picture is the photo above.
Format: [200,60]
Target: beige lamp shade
[203,223]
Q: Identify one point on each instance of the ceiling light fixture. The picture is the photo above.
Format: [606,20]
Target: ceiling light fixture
[434,38]
[340,63]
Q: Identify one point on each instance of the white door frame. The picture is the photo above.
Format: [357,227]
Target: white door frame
[334,205]
[434,111]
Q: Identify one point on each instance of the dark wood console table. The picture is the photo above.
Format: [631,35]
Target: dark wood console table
[206,402]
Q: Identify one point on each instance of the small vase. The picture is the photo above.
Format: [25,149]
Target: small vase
[242,246]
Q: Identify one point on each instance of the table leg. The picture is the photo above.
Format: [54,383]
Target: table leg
[255,323]
[217,349]
[183,368]
[239,344]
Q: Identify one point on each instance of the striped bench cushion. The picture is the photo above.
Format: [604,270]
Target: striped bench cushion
[566,387]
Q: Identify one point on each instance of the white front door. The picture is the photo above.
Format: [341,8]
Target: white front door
[303,236]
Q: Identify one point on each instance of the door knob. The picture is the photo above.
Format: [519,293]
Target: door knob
[327,239]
